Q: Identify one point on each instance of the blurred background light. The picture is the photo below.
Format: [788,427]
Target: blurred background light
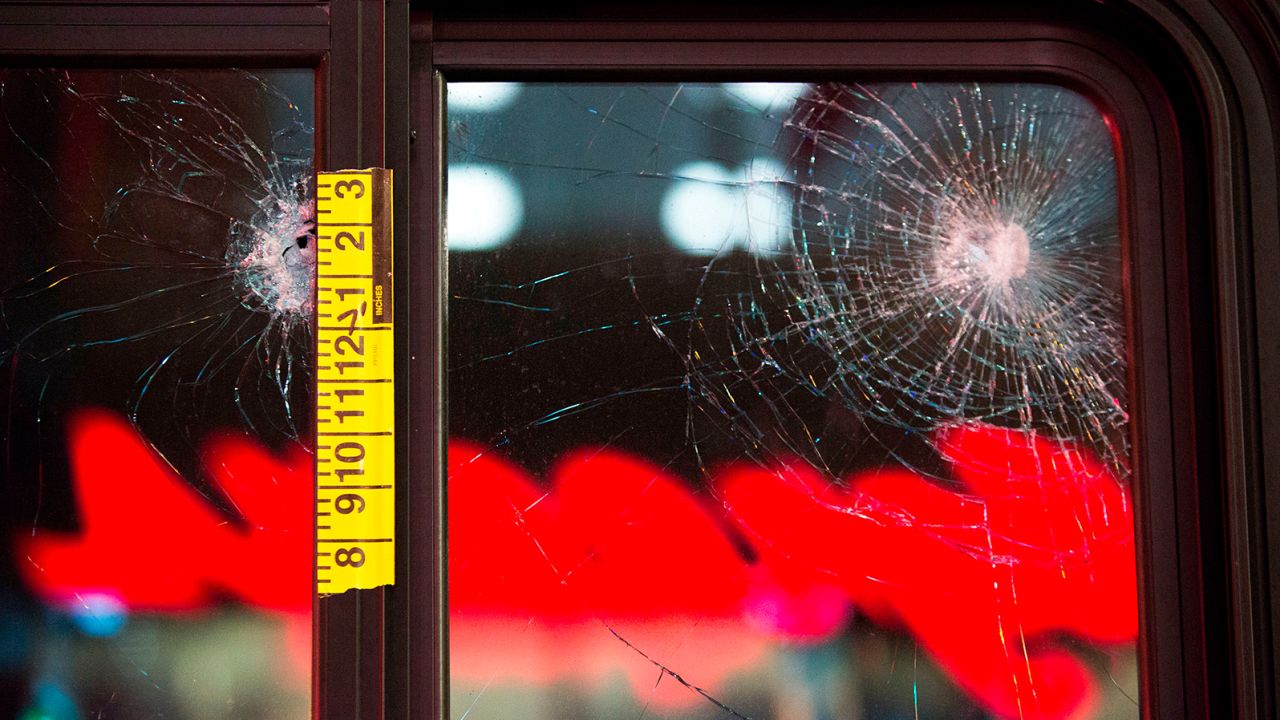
[482,96]
[51,701]
[485,207]
[698,211]
[712,209]
[99,614]
[767,96]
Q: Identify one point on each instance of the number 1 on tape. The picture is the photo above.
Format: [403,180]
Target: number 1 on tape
[355,382]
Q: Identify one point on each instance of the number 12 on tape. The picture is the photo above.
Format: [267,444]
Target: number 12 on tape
[355,382]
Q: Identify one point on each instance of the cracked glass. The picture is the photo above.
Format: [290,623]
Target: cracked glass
[156,300]
[787,400]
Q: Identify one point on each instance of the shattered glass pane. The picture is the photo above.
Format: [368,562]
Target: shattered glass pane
[778,400]
[156,290]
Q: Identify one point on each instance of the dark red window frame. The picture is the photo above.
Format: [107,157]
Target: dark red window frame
[1199,431]
[1194,89]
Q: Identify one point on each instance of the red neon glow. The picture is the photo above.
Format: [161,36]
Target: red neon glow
[1035,542]
[1040,541]
[539,580]
[150,541]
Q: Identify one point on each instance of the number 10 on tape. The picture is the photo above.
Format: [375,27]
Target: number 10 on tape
[355,382]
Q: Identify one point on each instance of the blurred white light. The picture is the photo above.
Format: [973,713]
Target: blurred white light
[481,96]
[767,96]
[483,208]
[712,209]
[768,213]
[697,213]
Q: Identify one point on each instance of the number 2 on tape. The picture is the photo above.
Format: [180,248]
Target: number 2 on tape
[355,382]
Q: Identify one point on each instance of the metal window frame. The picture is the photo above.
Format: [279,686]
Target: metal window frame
[1186,83]
[1198,79]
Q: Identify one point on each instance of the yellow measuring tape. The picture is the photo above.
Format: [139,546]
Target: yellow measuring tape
[355,382]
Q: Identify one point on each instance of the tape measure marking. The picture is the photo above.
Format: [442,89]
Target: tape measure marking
[355,383]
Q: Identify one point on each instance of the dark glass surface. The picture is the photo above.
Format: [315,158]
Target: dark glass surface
[155,311]
[786,400]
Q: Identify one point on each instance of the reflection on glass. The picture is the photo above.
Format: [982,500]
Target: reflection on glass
[789,401]
[155,309]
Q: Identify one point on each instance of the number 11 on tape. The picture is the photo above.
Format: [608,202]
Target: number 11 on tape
[355,382]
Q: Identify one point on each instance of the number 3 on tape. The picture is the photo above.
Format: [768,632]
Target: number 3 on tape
[355,382]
